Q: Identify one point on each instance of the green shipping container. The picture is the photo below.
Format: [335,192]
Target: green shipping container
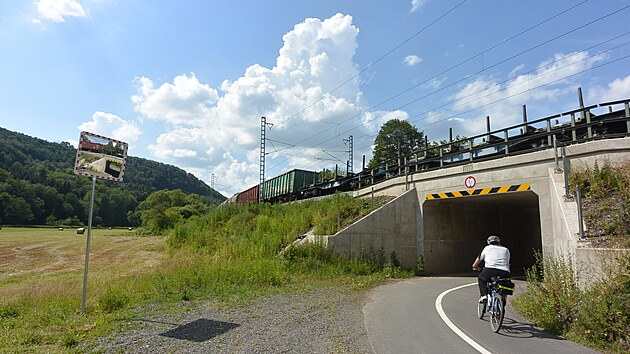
[286,186]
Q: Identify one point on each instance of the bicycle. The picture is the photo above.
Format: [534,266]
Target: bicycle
[498,289]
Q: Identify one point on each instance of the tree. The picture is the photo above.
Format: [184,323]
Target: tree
[37,185]
[459,143]
[16,210]
[397,138]
[163,209]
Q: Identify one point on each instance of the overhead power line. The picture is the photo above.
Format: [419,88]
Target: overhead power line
[478,72]
[516,94]
[523,92]
[368,67]
[460,64]
[456,65]
[520,93]
[377,61]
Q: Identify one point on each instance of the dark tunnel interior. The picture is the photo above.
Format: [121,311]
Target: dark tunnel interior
[455,230]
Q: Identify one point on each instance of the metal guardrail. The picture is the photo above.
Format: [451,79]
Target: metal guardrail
[521,138]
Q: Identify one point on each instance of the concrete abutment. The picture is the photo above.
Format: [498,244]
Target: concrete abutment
[450,230]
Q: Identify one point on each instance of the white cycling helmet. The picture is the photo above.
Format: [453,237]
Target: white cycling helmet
[493,239]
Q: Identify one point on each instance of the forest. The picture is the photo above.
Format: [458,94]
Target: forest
[38,187]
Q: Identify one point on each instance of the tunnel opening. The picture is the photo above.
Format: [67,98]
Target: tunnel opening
[455,230]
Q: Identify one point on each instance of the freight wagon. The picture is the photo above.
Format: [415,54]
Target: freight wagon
[89,146]
[286,186]
[248,196]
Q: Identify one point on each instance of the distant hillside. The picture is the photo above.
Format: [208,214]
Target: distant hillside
[37,185]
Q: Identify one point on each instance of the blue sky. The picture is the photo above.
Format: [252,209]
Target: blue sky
[186,82]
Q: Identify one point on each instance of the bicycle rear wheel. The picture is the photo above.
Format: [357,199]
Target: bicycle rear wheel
[481,309]
[497,314]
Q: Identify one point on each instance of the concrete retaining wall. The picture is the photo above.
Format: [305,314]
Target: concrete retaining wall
[390,228]
[564,217]
[592,264]
[589,264]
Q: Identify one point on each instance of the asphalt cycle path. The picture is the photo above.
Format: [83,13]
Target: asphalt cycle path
[404,317]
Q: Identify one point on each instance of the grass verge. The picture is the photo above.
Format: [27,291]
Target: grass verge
[230,255]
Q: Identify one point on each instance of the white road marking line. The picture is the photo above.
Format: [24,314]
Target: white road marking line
[462,335]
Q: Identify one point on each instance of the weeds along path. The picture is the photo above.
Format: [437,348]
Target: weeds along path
[39,260]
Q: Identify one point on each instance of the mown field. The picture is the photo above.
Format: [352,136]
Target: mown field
[41,283]
[228,256]
[46,260]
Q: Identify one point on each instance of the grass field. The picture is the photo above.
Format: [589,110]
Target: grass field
[46,260]
[228,256]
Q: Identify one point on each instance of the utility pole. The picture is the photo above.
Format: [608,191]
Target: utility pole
[263,138]
[350,153]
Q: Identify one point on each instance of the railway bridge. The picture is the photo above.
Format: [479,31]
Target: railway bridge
[442,216]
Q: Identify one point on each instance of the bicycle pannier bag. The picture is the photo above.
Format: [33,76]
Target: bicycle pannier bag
[506,287]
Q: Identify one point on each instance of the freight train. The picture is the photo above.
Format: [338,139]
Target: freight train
[540,134]
[292,185]
[90,146]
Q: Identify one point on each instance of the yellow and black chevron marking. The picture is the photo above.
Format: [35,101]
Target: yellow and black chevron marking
[483,191]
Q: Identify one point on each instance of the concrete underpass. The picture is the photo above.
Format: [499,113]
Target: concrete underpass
[455,230]
[438,218]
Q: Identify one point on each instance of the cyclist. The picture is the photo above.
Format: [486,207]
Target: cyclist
[497,262]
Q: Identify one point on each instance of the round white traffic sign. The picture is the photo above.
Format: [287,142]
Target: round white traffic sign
[470,182]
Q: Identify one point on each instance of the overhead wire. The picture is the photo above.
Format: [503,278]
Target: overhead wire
[461,98]
[532,88]
[523,92]
[370,66]
[491,94]
[454,67]
[461,63]
[517,94]
[376,61]
[480,71]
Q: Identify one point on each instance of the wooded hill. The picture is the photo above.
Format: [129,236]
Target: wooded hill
[37,185]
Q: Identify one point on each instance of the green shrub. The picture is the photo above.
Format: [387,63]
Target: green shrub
[9,310]
[600,182]
[376,258]
[420,266]
[605,195]
[597,316]
[113,299]
[552,295]
[605,317]
[308,250]
[357,267]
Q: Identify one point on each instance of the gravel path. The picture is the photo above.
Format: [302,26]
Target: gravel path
[319,320]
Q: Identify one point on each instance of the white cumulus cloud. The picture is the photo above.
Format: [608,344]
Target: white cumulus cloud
[435,83]
[185,101]
[618,89]
[374,120]
[553,79]
[111,126]
[412,60]
[58,10]
[218,130]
